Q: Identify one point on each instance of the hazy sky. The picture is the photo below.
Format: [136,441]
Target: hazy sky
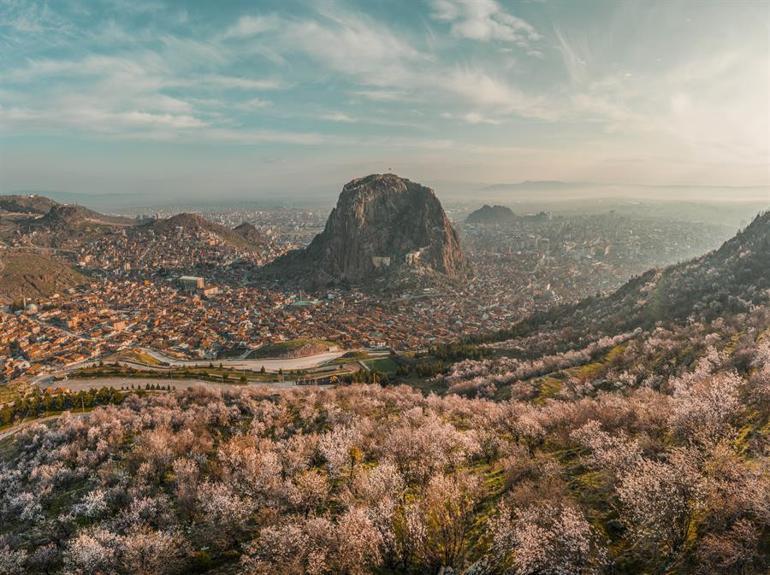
[227,98]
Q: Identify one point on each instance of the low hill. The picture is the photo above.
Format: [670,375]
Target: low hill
[69,216]
[32,274]
[197,225]
[31,204]
[487,214]
[251,234]
[26,221]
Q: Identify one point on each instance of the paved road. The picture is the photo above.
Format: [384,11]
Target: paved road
[271,365]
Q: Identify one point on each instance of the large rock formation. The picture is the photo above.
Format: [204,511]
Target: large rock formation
[382,225]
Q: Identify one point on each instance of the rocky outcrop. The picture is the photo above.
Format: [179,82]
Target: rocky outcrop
[382,225]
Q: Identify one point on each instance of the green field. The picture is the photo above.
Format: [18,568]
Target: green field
[382,364]
[136,356]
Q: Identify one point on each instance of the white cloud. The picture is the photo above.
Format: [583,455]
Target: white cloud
[471,118]
[354,45]
[248,26]
[575,58]
[145,119]
[381,95]
[31,18]
[90,119]
[338,117]
[232,82]
[247,136]
[484,20]
[476,118]
[390,68]
[254,104]
[494,95]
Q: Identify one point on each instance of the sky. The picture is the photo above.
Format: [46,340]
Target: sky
[243,99]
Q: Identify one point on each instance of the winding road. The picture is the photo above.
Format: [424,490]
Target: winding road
[271,365]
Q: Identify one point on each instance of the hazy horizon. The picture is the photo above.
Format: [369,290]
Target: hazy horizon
[292,99]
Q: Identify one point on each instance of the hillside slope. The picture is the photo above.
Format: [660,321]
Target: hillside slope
[30,274]
[32,204]
[731,279]
[62,226]
[195,224]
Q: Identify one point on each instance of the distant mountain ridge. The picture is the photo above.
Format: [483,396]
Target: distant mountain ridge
[555,190]
[537,185]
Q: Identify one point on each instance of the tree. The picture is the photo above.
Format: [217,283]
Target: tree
[546,539]
[658,500]
[359,543]
[223,513]
[447,509]
[150,552]
[12,561]
[93,551]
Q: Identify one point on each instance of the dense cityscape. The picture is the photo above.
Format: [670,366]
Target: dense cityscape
[134,296]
